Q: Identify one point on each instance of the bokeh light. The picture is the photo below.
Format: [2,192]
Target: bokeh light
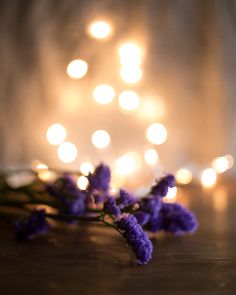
[86,168]
[220,164]
[208,178]
[77,69]
[131,75]
[56,134]
[100,139]
[82,182]
[130,55]
[100,29]
[67,152]
[103,94]
[151,108]
[184,176]
[230,159]
[129,100]
[171,195]
[151,156]
[126,165]
[156,133]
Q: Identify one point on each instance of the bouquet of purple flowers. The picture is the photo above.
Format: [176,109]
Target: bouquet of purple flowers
[131,216]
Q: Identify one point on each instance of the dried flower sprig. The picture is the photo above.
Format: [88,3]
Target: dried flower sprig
[129,215]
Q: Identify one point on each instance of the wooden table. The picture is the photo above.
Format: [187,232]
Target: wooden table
[94,260]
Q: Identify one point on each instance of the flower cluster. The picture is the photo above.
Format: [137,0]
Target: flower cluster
[136,238]
[117,205]
[34,226]
[131,216]
[70,199]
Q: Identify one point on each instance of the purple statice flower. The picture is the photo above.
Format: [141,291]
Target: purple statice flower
[151,205]
[161,187]
[99,180]
[175,219]
[142,217]
[136,238]
[35,225]
[71,200]
[110,207]
[125,199]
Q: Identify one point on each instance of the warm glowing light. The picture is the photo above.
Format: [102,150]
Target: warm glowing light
[126,165]
[184,176]
[230,161]
[129,100]
[130,55]
[103,94]
[41,166]
[152,109]
[100,139]
[77,69]
[221,164]
[208,177]
[131,75]
[151,156]
[171,194]
[113,190]
[82,182]
[56,134]
[156,133]
[46,175]
[117,180]
[67,152]
[100,29]
[86,168]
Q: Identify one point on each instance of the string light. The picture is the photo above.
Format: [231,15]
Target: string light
[77,69]
[156,133]
[130,55]
[171,194]
[151,156]
[82,182]
[230,160]
[103,94]
[56,134]
[184,176]
[67,152]
[151,109]
[86,168]
[221,164]
[126,165]
[100,29]
[131,75]
[129,100]
[208,178]
[100,139]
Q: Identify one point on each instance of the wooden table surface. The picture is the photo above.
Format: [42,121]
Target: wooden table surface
[95,260]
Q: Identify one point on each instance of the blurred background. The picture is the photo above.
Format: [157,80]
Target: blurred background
[145,86]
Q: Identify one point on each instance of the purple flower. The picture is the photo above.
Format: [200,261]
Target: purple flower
[151,205]
[35,225]
[136,238]
[175,219]
[110,207]
[125,199]
[100,179]
[71,200]
[142,217]
[161,187]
